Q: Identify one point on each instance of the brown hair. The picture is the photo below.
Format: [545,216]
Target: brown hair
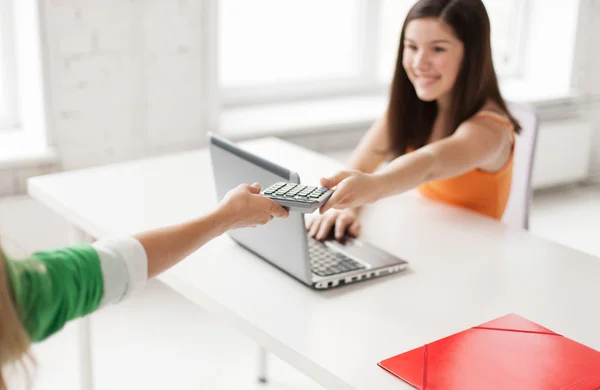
[410,120]
[14,343]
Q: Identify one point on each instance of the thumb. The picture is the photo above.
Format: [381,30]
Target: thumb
[334,180]
[255,188]
[278,211]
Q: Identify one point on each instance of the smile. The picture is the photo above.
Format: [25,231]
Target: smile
[425,81]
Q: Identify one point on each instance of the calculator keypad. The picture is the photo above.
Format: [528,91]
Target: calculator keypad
[297,192]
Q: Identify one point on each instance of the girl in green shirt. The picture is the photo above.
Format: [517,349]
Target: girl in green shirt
[40,294]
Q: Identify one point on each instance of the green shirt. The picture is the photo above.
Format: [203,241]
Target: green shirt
[54,287]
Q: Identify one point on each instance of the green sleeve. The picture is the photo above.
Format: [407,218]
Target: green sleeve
[54,287]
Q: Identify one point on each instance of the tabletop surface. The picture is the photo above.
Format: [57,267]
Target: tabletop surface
[464,269]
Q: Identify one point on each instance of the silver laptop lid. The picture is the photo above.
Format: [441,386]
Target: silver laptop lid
[282,242]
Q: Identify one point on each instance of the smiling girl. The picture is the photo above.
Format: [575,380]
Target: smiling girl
[447,130]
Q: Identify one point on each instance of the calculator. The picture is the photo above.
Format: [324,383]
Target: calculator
[298,197]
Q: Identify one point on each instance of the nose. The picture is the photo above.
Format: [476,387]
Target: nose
[421,61]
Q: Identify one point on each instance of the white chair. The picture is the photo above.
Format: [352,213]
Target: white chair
[519,201]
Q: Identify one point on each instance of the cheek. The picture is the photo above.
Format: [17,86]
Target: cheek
[448,68]
[406,61]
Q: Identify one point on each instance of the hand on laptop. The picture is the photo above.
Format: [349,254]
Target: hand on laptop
[352,189]
[341,221]
[243,206]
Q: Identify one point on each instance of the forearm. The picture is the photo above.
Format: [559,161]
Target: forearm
[371,152]
[167,246]
[407,172]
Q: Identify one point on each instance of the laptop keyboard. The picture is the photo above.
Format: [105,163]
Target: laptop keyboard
[326,262]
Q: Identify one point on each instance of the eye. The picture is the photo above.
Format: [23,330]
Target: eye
[411,47]
[438,49]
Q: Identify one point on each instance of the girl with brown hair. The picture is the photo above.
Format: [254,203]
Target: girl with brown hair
[447,130]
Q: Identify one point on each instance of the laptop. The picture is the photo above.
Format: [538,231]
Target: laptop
[285,243]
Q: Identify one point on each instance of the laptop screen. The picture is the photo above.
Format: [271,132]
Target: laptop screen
[282,242]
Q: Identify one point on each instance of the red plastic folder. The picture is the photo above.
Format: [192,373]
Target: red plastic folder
[510,352]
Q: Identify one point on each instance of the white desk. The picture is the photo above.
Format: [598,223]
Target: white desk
[464,269]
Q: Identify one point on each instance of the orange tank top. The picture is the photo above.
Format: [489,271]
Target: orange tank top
[483,192]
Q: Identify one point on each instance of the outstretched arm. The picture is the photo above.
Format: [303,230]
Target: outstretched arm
[241,207]
[477,144]
[53,287]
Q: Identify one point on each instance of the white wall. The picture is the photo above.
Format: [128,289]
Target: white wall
[125,78]
[593,83]
[586,73]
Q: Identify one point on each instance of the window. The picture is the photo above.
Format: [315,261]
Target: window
[507,19]
[8,98]
[276,48]
[272,50]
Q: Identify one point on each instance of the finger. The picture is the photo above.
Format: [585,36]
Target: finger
[334,180]
[282,213]
[315,225]
[333,202]
[311,220]
[278,211]
[329,204]
[255,188]
[309,223]
[325,228]
[318,221]
[340,227]
[354,229]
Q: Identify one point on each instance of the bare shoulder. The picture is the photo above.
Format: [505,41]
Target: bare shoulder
[486,129]
[490,127]
[491,132]
[490,119]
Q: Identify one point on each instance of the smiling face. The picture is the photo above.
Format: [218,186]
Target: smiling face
[432,57]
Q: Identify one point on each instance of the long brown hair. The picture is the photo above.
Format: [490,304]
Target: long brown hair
[14,343]
[410,120]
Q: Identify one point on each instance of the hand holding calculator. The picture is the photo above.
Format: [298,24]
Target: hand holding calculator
[298,197]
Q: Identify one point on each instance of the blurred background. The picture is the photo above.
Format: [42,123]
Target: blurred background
[90,82]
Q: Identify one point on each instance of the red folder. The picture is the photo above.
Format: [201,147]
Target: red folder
[510,352]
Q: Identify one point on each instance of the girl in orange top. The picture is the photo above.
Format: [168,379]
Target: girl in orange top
[446,131]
